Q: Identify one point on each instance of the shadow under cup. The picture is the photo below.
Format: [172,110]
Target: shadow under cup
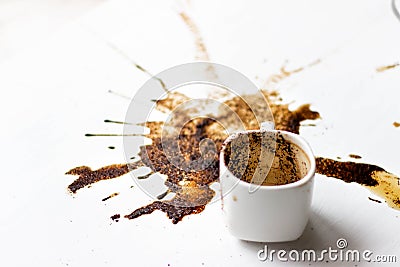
[266,182]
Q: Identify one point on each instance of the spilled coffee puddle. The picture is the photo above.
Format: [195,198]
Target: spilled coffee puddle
[387,67]
[284,73]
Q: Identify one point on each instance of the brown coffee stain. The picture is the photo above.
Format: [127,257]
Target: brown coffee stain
[387,67]
[284,118]
[396,124]
[284,73]
[115,217]
[287,120]
[186,194]
[122,54]
[201,49]
[201,52]
[347,171]
[388,188]
[355,156]
[88,177]
[374,200]
[375,178]
[110,196]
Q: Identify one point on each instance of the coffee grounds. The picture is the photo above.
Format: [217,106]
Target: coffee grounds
[347,171]
[265,158]
[88,177]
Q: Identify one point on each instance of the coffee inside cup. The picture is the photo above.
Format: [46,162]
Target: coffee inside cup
[265,158]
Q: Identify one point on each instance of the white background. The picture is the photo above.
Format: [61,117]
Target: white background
[54,93]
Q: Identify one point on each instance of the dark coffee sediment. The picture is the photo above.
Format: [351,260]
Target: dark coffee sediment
[265,158]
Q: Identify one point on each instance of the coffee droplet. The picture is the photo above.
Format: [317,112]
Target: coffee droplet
[354,156]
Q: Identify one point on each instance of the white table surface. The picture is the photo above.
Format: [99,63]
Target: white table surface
[55,93]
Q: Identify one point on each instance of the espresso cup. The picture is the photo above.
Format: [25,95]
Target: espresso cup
[274,205]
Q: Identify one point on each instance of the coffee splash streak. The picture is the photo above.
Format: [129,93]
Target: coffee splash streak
[91,135]
[284,73]
[375,200]
[348,171]
[188,187]
[355,156]
[137,66]
[202,53]
[388,67]
[110,196]
[118,122]
[145,176]
[375,178]
[201,49]
[87,176]
[181,204]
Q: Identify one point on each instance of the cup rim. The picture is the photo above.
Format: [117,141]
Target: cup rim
[299,141]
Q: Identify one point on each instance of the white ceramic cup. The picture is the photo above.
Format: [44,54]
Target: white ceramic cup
[272,213]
